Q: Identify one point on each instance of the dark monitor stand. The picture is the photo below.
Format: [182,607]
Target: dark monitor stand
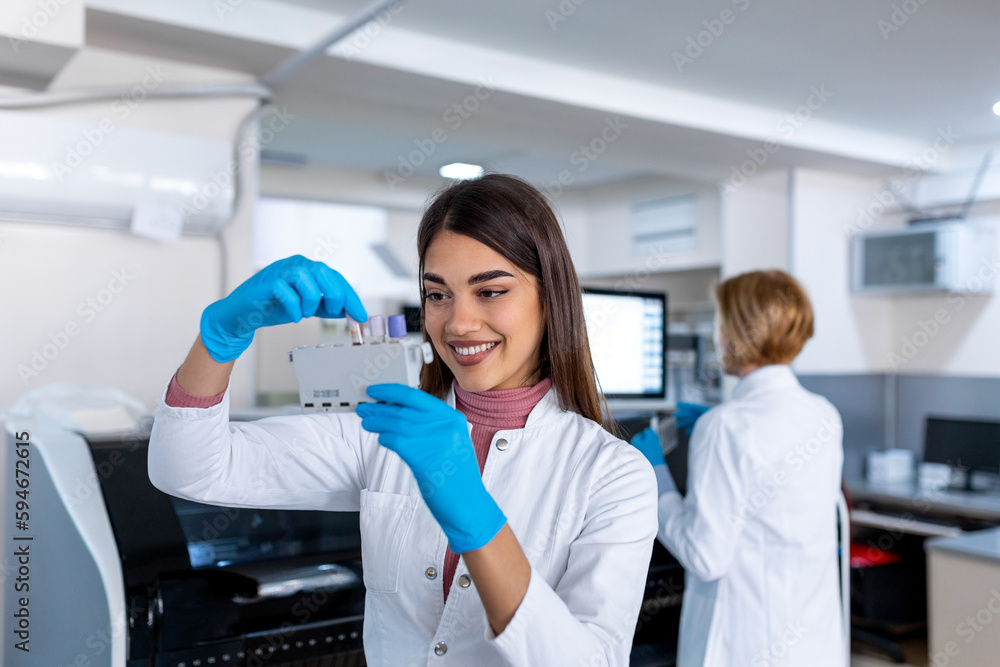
[967,444]
[992,487]
[967,487]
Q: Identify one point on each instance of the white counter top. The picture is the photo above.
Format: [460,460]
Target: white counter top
[982,544]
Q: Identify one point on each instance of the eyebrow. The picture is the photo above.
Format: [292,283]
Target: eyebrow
[483,277]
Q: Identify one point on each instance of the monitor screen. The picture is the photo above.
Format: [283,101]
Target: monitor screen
[963,443]
[627,333]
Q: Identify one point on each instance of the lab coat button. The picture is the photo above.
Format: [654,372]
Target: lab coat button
[440,648]
[502,444]
[430,573]
[464,581]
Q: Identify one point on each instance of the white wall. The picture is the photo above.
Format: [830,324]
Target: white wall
[401,231]
[851,331]
[573,212]
[755,225]
[608,216]
[144,332]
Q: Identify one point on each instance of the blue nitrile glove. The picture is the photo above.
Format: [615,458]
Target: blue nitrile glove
[648,442]
[433,439]
[687,414]
[284,291]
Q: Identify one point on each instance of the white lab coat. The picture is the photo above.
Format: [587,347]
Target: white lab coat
[581,502]
[757,531]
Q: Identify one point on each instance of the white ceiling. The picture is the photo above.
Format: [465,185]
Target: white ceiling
[891,92]
[941,67]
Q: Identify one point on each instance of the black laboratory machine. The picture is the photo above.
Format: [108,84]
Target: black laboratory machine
[112,572]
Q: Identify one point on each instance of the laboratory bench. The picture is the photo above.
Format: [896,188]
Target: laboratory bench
[963,590]
[911,554]
[977,509]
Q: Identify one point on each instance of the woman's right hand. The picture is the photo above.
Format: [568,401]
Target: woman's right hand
[282,292]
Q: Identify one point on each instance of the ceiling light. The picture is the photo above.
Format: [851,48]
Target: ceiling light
[461,171]
[996,108]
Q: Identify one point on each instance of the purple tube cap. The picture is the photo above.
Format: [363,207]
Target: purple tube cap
[376,325]
[397,326]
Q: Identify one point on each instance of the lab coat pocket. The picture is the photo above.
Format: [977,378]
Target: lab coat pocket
[385,524]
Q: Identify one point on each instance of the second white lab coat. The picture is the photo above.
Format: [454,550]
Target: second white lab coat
[757,531]
[581,502]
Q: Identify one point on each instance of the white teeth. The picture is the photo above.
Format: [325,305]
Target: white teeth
[464,351]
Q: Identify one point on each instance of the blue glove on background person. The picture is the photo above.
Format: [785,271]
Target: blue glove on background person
[687,414]
[648,443]
[433,439]
[285,291]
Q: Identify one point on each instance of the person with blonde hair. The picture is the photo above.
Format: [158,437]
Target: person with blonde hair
[757,532]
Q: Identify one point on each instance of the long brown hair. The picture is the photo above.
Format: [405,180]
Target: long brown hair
[513,218]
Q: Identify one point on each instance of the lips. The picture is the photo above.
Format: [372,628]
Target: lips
[485,348]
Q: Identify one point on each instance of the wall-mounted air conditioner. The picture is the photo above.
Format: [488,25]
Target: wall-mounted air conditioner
[97,174]
[939,257]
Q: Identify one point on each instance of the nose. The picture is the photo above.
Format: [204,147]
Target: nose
[463,317]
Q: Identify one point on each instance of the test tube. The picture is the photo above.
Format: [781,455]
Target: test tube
[376,329]
[357,331]
[397,328]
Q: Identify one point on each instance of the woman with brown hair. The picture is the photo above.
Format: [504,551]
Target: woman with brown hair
[757,531]
[496,475]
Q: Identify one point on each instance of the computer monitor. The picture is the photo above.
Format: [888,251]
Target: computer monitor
[628,333]
[973,445]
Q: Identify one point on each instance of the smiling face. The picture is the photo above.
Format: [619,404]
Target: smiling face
[483,315]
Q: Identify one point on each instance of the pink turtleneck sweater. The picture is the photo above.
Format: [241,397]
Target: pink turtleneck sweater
[487,411]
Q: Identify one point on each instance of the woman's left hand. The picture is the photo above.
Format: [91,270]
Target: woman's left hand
[433,439]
